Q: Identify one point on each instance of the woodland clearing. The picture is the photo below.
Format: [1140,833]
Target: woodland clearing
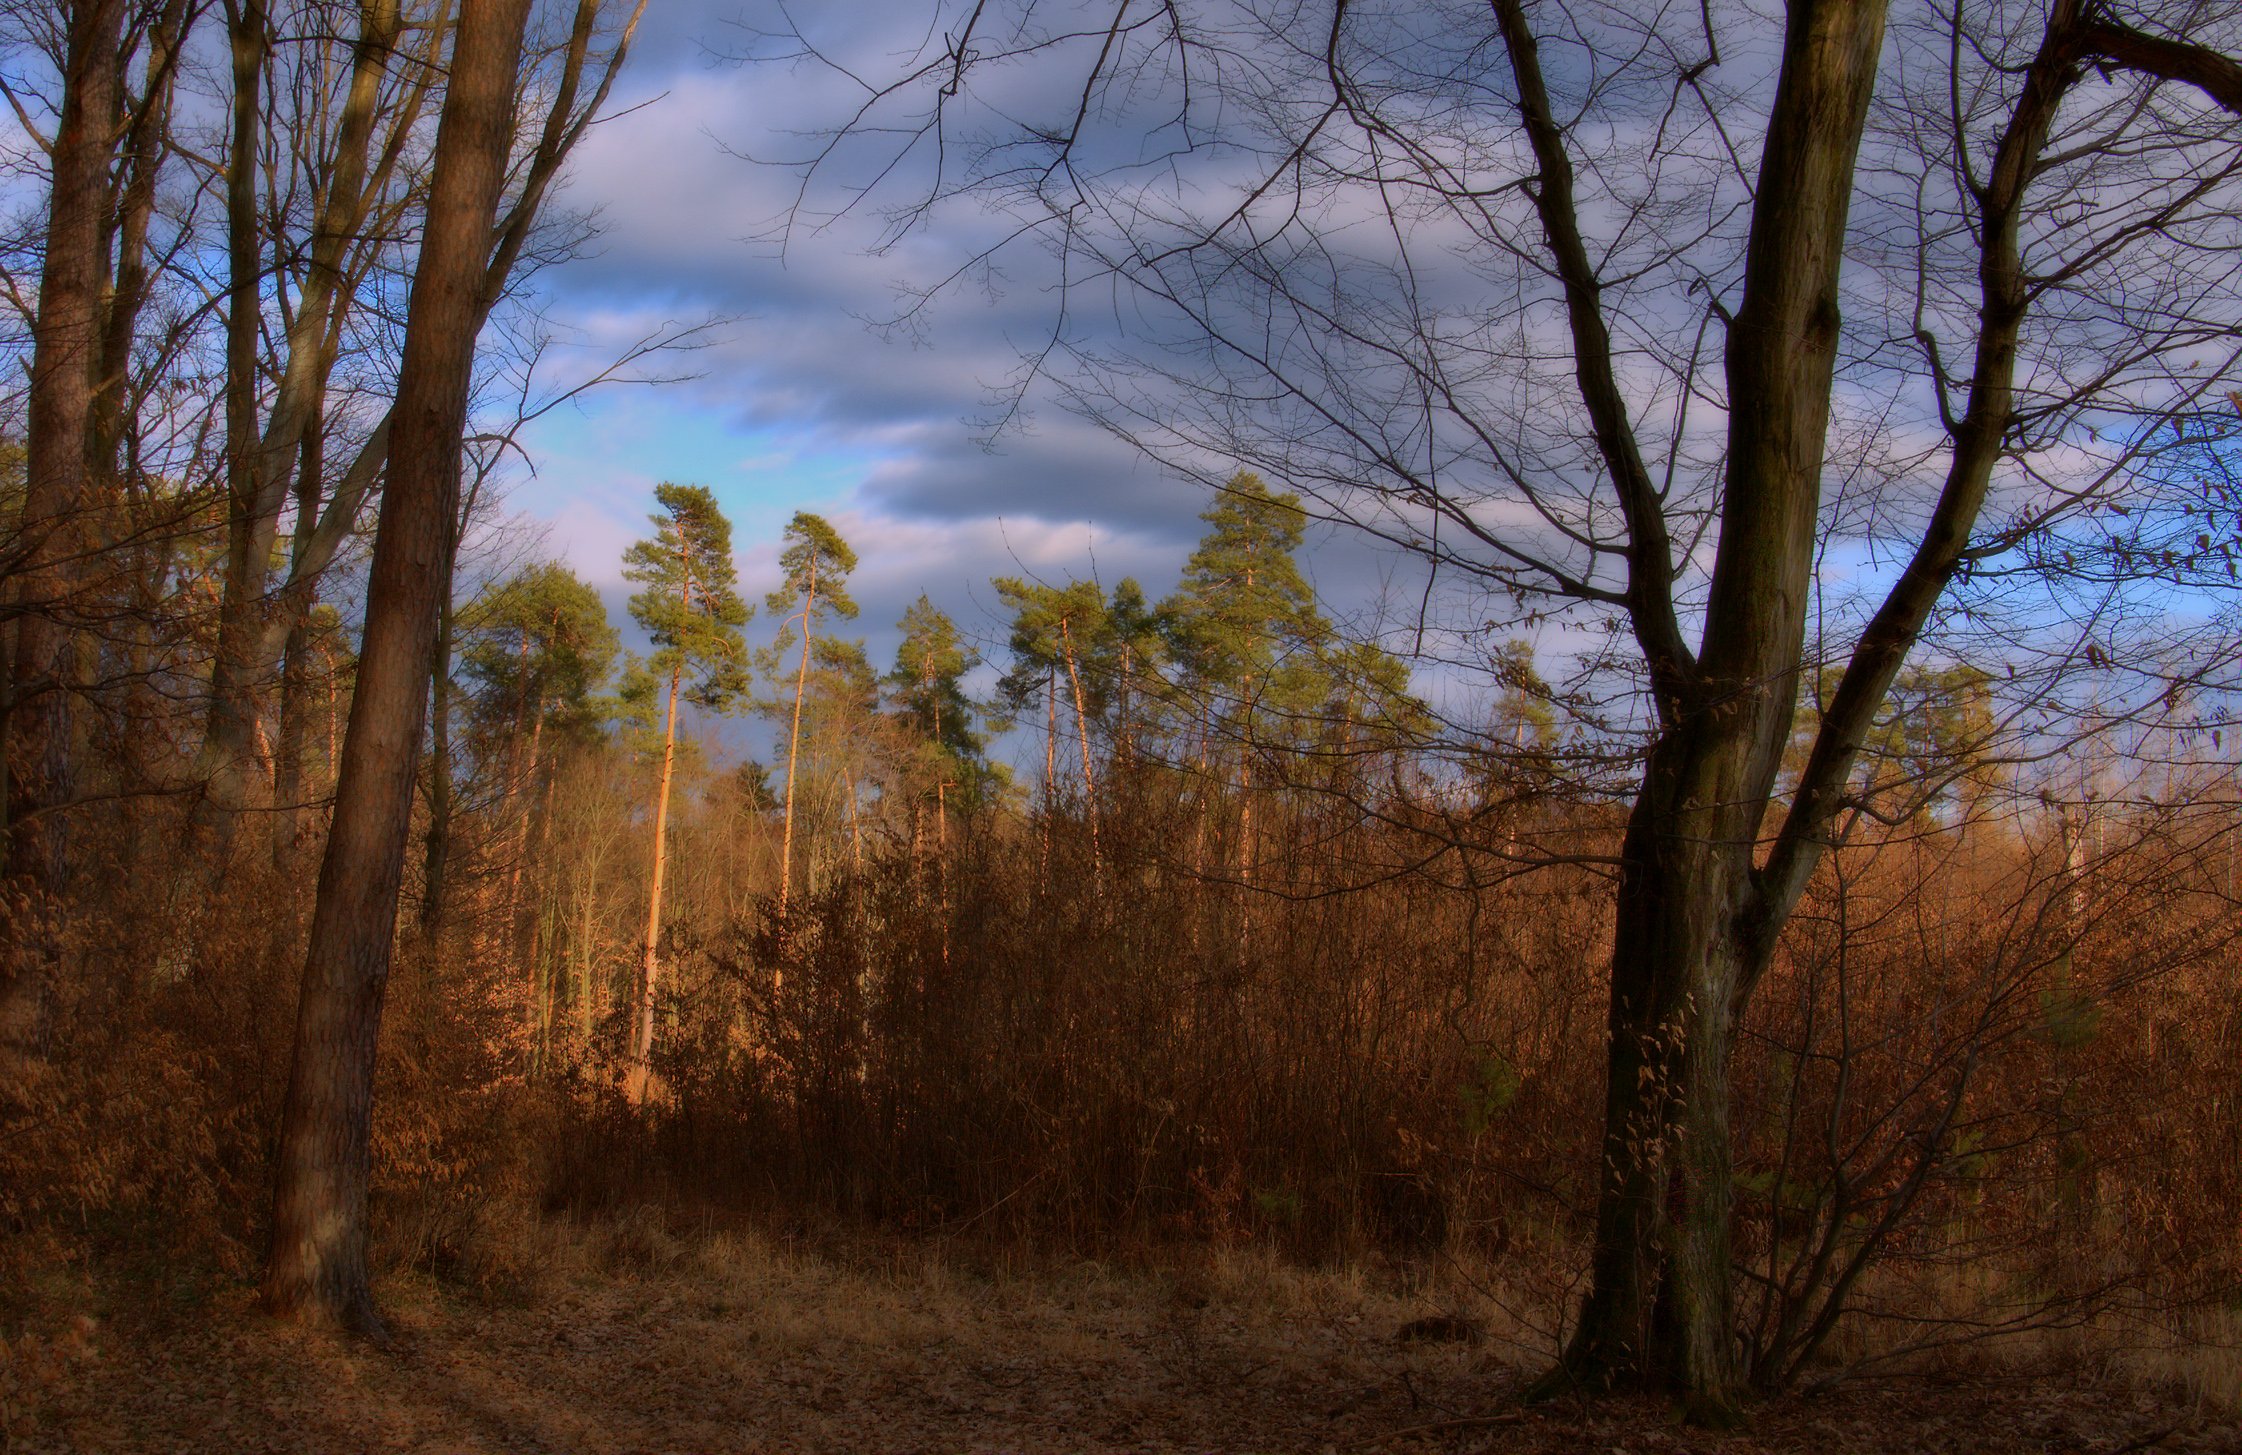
[632,1338]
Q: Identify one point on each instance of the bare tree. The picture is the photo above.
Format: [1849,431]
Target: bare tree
[318,1260]
[1676,330]
[48,557]
[362,188]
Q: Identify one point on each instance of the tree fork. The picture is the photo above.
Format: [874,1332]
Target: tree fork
[317,1263]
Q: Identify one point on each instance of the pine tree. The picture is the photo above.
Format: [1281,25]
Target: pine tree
[1249,644]
[927,689]
[691,607]
[1052,628]
[536,647]
[816,563]
[1136,656]
[1243,622]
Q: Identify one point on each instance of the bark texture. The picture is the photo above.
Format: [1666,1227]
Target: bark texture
[38,718]
[318,1258]
[54,536]
[1684,954]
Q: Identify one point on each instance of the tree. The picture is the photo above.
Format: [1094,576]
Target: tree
[366,117]
[691,607]
[927,690]
[816,563]
[1972,266]
[1137,657]
[1243,626]
[318,1258]
[358,171]
[537,648]
[1051,628]
[1246,638]
[47,556]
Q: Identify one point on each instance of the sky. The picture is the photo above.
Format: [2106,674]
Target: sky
[800,400]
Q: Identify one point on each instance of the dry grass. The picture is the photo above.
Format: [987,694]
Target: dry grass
[636,1334]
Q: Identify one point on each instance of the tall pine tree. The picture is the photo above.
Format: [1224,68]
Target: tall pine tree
[692,609]
[927,690]
[816,563]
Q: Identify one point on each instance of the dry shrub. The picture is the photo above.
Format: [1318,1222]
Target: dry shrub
[137,1140]
[1350,1054]
[1074,1053]
[141,1125]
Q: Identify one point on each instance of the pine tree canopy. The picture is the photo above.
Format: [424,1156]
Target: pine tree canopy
[691,604]
[814,556]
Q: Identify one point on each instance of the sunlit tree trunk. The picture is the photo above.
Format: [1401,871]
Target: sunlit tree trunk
[649,964]
[1050,764]
[794,744]
[543,956]
[318,1258]
[1082,734]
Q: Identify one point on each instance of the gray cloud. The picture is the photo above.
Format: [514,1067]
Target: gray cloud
[820,406]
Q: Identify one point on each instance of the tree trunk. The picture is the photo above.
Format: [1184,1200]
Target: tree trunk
[1659,1311]
[436,854]
[1050,764]
[794,744]
[542,938]
[257,463]
[1082,732]
[289,789]
[649,965]
[53,527]
[233,700]
[318,1259]
[1694,929]
[146,148]
[38,717]
[525,789]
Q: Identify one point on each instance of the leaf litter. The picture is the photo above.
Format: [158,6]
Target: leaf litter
[729,1345]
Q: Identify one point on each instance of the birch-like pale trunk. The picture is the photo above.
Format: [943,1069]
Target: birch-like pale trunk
[794,744]
[637,1082]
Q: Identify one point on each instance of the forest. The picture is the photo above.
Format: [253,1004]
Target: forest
[1642,853]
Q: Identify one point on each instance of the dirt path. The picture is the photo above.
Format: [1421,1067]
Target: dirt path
[747,1351]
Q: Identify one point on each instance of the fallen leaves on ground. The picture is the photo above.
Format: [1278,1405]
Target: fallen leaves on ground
[747,1350]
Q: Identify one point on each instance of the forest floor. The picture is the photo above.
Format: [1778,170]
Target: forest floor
[729,1343]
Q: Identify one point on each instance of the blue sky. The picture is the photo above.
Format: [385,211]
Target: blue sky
[800,403]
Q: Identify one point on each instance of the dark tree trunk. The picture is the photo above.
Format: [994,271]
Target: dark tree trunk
[1693,928]
[289,788]
[38,731]
[1658,1311]
[233,697]
[318,1258]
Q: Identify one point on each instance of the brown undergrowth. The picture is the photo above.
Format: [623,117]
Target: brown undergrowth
[642,1331]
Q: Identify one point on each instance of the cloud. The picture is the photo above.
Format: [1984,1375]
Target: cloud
[823,391]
